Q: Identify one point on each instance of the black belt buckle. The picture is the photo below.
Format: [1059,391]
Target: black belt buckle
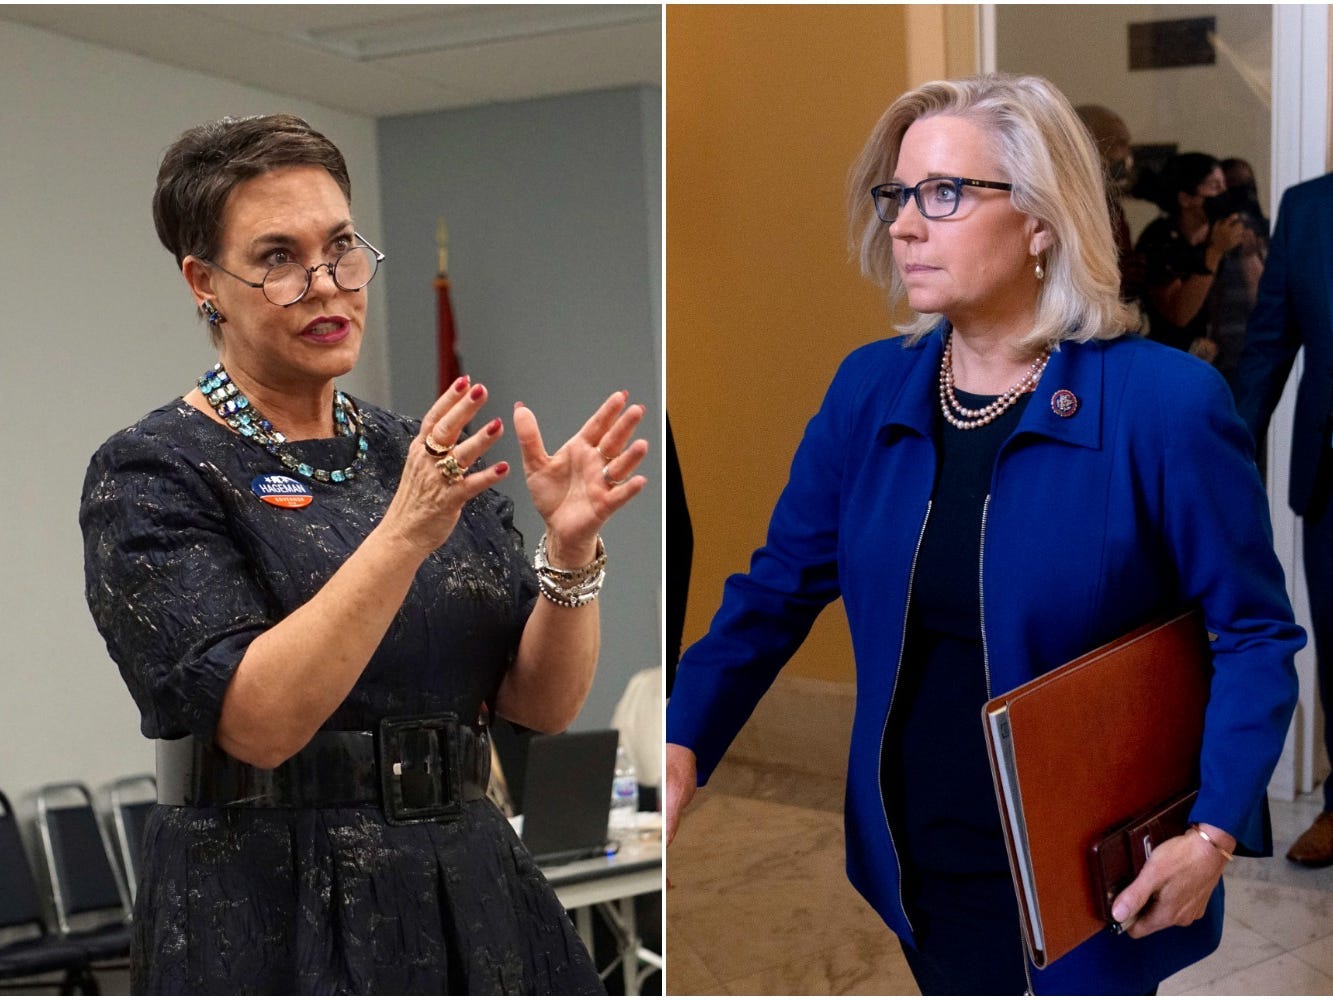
[419,775]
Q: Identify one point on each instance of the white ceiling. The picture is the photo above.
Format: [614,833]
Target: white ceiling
[381,59]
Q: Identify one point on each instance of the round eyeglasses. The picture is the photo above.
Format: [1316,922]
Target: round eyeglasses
[936,197]
[287,284]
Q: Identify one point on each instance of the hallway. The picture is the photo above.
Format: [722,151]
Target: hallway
[760,903]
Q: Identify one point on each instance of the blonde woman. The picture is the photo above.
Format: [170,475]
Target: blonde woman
[1013,482]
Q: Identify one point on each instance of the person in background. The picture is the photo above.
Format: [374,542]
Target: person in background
[638,719]
[1239,271]
[1294,311]
[1111,134]
[1238,175]
[316,603]
[1183,251]
[1011,483]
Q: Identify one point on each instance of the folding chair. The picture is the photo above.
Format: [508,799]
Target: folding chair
[91,904]
[27,949]
[130,799]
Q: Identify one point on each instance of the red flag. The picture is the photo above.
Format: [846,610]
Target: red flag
[445,339]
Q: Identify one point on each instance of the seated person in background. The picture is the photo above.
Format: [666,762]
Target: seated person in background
[638,717]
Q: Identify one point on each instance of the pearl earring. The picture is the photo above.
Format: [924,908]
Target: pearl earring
[1039,271]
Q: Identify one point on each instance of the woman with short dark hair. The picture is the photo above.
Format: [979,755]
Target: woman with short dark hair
[316,603]
[1189,260]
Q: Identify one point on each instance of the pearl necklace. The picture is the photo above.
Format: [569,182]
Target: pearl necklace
[243,416]
[966,419]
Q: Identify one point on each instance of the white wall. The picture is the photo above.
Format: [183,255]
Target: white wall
[97,329]
[1266,99]
[553,211]
[1221,109]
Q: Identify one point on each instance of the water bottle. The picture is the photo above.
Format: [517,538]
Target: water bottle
[623,817]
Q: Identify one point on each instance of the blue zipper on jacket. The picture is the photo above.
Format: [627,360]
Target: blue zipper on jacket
[884,733]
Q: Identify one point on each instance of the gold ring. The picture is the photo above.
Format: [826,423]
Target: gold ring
[435,450]
[451,470]
[606,476]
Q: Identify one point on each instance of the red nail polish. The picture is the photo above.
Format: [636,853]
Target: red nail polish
[518,404]
[461,384]
[478,392]
[493,428]
[501,468]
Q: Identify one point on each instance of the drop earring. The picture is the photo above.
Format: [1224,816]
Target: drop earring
[210,313]
[1039,271]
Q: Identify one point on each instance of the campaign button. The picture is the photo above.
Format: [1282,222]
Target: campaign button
[281,491]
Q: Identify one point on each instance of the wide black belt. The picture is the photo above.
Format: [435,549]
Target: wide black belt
[416,769]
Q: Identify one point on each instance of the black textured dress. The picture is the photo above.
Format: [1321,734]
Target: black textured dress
[185,566]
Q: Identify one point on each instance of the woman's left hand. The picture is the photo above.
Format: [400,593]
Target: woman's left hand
[590,477]
[1175,885]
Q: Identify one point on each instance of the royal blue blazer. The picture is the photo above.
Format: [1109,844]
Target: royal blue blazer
[1143,501]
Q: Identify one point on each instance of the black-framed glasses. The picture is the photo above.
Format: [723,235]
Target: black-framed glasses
[287,284]
[936,197]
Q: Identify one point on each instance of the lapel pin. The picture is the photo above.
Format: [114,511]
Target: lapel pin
[1064,403]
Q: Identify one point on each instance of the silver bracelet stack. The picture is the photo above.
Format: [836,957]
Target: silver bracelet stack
[570,588]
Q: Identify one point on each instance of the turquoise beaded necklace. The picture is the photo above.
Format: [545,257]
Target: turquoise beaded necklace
[242,416]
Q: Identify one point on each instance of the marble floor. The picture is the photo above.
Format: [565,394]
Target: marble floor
[759,903]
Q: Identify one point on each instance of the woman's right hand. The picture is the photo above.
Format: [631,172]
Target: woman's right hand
[682,780]
[427,505]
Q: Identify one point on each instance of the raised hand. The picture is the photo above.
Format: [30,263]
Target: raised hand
[589,478]
[435,484]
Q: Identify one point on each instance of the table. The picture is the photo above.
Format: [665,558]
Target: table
[608,886]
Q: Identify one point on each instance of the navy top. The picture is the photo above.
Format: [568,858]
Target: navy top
[937,782]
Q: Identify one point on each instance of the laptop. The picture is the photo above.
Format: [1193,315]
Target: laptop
[567,795]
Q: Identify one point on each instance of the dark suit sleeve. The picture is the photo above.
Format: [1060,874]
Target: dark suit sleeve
[680,552]
[1273,335]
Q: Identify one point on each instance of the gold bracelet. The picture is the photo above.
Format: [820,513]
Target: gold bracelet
[1213,844]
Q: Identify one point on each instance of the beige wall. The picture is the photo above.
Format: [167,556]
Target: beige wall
[767,107]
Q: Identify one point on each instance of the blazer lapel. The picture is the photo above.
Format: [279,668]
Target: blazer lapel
[1067,403]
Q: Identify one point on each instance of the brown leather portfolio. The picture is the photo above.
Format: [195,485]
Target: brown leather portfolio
[1094,746]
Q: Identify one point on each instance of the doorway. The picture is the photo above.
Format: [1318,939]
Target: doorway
[1243,80]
